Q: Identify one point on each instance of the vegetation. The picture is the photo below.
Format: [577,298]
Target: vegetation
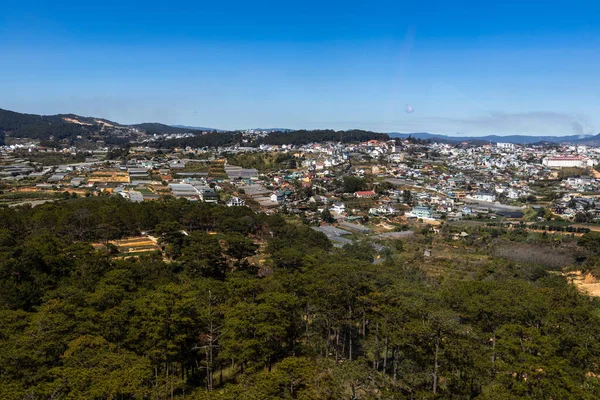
[43,127]
[301,137]
[152,128]
[353,184]
[263,161]
[244,305]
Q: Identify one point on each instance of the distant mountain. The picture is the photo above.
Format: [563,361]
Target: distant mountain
[72,127]
[589,141]
[69,128]
[197,128]
[517,139]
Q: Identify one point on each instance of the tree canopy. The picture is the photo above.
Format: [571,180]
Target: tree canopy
[238,304]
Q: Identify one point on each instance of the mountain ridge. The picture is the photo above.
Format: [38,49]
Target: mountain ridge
[516,139]
[72,127]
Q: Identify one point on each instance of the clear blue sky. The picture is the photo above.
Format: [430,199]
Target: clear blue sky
[470,67]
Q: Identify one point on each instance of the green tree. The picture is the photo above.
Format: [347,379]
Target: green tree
[327,217]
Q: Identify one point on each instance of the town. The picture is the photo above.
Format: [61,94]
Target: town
[371,187]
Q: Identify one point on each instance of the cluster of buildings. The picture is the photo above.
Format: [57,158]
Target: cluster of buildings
[404,178]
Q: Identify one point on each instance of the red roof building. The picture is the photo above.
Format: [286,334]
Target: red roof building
[368,193]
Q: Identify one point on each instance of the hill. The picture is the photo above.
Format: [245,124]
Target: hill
[69,128]
[300,137]
[156,127]
[516,139]
[590,141]
[59,127]
[197,128]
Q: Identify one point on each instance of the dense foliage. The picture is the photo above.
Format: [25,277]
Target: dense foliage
[152,127]
[263,161]
[45,126]
[302,136]
[200,320]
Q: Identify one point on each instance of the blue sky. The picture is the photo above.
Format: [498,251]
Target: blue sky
[470,67]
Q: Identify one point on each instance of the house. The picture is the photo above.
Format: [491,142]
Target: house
[235,202]
[420,212]
[255,190]
[484,196]
[278,197]
[386,209]
[339,208]
[382,210]
[365,194]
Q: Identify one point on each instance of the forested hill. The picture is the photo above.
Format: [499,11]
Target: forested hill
[71,126]
[44,127]
[155,127]
[239,305]
[300,137]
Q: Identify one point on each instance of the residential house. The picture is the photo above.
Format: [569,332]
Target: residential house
[235,202]
[339,208]
[421,212]
[365,194]
[278,197]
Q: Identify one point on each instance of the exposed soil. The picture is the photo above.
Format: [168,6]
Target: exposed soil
[585,283]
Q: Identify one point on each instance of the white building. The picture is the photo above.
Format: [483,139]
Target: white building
[506,146]
[567,161]
[382,210]
[484,196]
[339,208]
[235,202]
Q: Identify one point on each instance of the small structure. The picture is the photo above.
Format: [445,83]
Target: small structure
[420,212]
[278,197]
[339,208]
[365,194]
[484,196]
[235,202]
